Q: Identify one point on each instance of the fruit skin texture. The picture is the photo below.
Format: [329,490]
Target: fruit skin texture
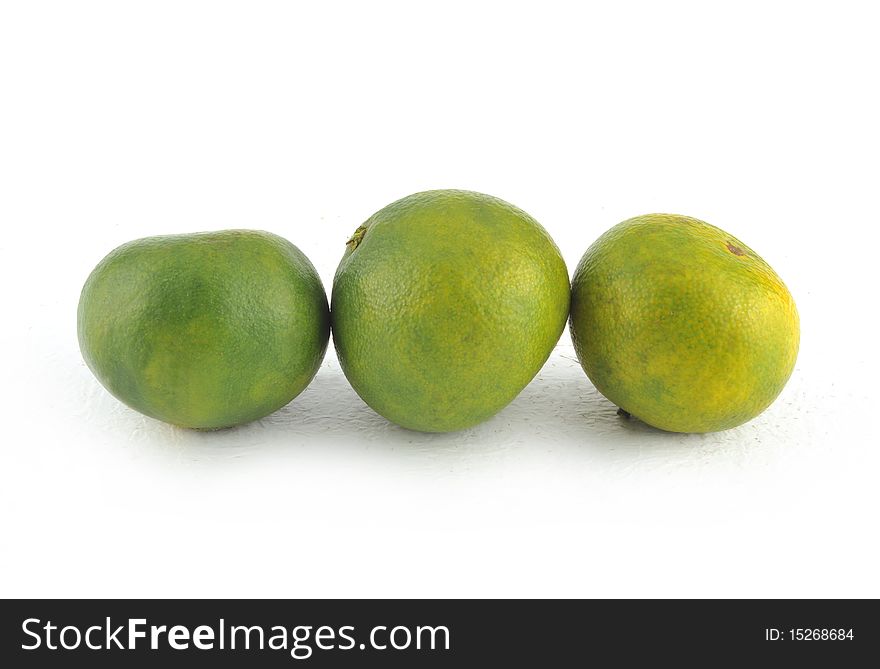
[682,325]
[445,305]
[205,330]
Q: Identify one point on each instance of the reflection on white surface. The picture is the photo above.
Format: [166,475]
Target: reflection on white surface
[559,411]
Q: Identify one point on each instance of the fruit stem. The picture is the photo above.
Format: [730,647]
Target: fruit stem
[357,237]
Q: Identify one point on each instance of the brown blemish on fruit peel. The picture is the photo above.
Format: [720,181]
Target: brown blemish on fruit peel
[735,250]
[356,237]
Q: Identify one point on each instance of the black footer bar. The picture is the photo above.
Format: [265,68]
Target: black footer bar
[428,633]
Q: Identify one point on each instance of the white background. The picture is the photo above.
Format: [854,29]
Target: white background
[120,120]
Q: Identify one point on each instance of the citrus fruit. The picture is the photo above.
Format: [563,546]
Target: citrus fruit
[445,305]
[204,330]
[681,324]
